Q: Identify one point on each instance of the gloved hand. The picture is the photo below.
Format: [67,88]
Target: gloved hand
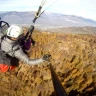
[47,57]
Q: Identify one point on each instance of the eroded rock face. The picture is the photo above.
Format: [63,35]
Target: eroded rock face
[73,59]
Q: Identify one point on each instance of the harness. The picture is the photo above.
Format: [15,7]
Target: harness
[5,58]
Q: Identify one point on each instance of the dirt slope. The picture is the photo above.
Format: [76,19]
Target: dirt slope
[73,58]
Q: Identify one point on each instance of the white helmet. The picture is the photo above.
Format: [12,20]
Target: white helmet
[14,31]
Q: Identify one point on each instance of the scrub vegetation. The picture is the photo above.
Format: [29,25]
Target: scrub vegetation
[73,59]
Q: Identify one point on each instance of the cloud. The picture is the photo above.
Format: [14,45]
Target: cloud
[84,8]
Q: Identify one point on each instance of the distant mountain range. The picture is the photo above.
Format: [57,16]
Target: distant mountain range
[46,20]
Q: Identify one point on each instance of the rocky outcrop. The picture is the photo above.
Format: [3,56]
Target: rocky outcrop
[73,59]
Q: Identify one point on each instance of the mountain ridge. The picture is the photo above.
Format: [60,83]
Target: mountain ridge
[46,19]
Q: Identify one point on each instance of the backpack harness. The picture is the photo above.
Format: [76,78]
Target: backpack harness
[7,62]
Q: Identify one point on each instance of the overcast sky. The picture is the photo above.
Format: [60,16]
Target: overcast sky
[84,8]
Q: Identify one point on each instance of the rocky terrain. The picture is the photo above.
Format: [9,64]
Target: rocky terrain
[73,59]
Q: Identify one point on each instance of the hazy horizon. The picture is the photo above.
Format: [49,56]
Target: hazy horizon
[83,8]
